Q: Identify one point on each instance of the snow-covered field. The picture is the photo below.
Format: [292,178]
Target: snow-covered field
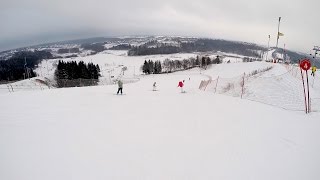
[111,62]
[91,133]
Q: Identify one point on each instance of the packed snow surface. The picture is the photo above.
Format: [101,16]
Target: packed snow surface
[92,133]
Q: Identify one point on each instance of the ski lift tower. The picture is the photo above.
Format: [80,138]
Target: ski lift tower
[316,49]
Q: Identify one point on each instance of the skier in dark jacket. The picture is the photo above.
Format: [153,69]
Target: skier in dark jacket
[154,86]
[120,86]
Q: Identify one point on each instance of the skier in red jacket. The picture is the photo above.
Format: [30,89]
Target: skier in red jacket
[181,84]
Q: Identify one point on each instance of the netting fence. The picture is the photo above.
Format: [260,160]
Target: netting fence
[39,84]
[284,91]
[33,84]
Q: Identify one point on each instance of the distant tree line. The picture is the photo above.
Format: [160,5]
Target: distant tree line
[203,45]
[96,47]
[150,67]
[74,70]
[66,50]
[21,65]
[169,66]
[199,45]
[121,47]
[247,59]
[145,50]
[68,71]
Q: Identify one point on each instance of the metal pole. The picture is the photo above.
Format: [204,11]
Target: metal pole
[284,46]
[315,56]
[304,91]
[47,67]
[25,65]
[278,32]
[215,89]
[134,71]
[314,61]
[244,74]
[268,49]
[28,73]
[41,70]
[308,91]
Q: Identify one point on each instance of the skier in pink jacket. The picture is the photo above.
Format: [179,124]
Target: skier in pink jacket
[181,84]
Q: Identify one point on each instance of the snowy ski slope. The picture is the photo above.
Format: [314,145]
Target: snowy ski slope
[91,133]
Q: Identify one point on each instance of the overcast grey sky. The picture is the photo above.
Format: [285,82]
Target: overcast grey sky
[30,22]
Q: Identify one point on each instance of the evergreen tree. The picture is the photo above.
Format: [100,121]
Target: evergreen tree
[145,67]
[159,67]
[98,70]
[209,61]
[197,63]
[203,62]
[185,64]
[150,67]
[217,60]
[155,70]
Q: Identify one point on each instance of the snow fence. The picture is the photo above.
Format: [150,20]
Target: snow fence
[284,91]
[28,84]
[41,84]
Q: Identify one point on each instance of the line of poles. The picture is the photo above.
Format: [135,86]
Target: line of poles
[269,36]
[316,48]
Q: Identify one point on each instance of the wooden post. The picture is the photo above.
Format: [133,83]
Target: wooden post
[208,82]
[215,89]
[9,88]
[244,74]
[200,85]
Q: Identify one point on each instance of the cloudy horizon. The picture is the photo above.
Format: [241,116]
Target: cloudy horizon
[37,22]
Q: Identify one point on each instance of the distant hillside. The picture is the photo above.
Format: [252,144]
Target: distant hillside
[151,45]
[78,41]
[198,45]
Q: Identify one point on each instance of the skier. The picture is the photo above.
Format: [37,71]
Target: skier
[120,86]
[154,86]
[181,84]
[313,70]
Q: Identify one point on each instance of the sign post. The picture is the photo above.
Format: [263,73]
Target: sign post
[305,65]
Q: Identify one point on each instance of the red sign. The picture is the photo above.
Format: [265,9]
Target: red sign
[305,64]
